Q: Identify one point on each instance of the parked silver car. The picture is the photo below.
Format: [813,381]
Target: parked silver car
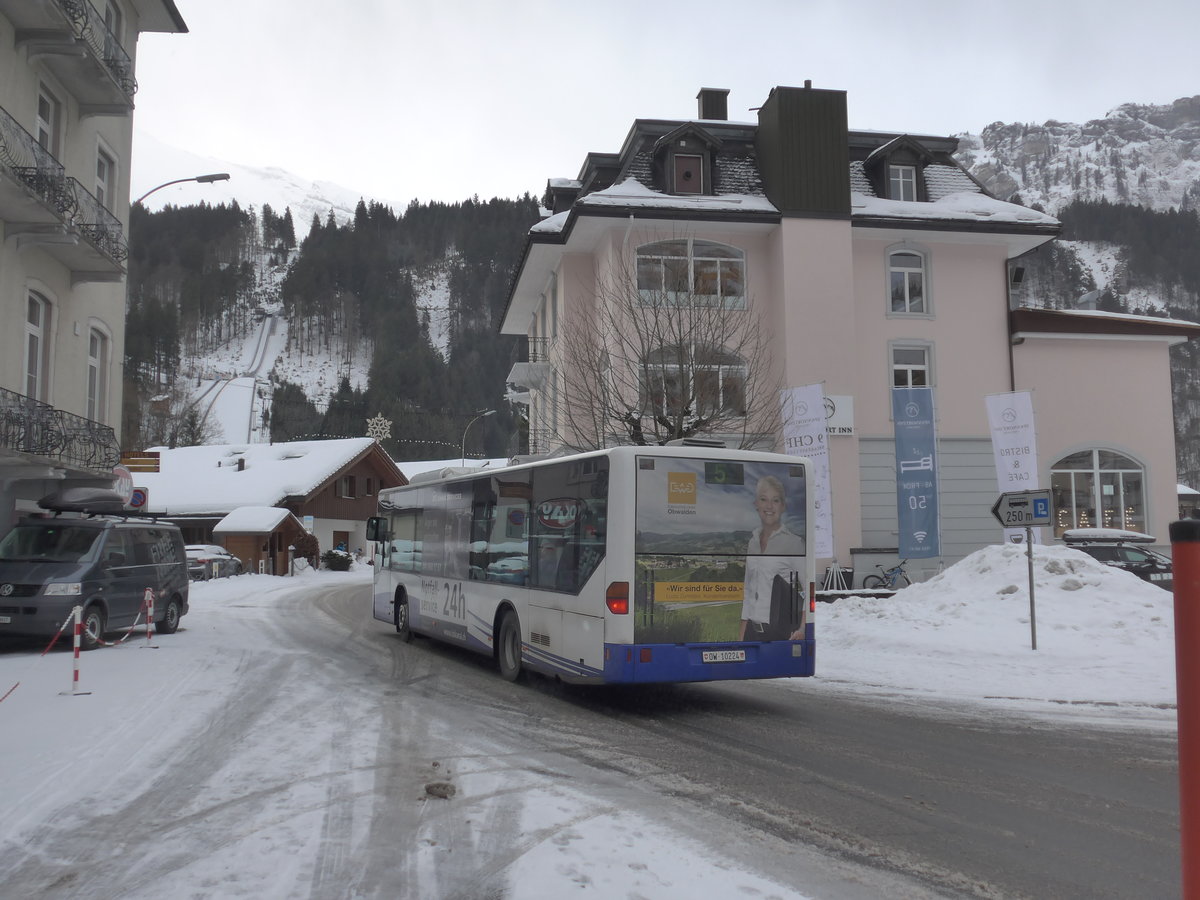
[211,561]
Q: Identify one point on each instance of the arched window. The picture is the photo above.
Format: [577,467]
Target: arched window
[907,281]
[713,381]
[1098,489]
[691,272]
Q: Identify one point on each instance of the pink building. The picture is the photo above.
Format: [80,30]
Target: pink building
[868,261]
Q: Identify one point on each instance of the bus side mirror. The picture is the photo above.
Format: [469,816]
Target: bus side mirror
[376,528]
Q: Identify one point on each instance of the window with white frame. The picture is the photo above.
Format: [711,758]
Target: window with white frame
[910,365]
[97,377]
[902,182]
[106,174]
[1098,489]
[48,128]
[907,281]
[714,379]
[37,330]
[692,272]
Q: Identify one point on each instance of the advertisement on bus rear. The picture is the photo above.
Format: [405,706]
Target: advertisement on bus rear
[720,549]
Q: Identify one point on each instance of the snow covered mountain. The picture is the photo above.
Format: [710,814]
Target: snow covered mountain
[1137,154]
[156,162]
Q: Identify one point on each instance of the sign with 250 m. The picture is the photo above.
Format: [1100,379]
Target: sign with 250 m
[1023,509]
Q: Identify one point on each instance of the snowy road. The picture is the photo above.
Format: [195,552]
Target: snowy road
[283,744]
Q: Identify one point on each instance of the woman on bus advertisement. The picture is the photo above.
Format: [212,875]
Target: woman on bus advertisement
[711,538]
[768,557]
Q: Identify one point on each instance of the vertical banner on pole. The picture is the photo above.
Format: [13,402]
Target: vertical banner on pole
[916,473]
[804,435]
[1014,447]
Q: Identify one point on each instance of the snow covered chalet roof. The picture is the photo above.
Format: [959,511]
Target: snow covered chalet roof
[209,480]
[252,520]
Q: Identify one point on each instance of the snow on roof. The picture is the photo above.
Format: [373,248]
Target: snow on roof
[632,192]
[958,206]
[412,468]
[961,206]
[207,480]
[1127,317]
[1183,489]
[251,520]
[552,224]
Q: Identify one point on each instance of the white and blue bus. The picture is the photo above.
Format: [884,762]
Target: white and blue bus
[627,565]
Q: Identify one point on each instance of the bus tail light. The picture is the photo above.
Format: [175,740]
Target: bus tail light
[812,597]
[617,598]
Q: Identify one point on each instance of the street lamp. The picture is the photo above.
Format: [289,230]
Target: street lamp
[490,412]
[202,179]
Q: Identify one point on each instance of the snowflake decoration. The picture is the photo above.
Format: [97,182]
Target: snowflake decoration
[379,428]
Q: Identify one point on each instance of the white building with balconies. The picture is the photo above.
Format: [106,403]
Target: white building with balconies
[67,91]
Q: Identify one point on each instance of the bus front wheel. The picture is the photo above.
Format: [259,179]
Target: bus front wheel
[403,628]
[508,646]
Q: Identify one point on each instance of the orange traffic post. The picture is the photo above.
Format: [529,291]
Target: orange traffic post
[1185,552]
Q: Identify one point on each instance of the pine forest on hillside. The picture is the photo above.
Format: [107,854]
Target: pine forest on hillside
[197,274]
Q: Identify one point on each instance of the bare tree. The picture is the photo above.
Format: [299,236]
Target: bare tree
[174,418]
[681,354]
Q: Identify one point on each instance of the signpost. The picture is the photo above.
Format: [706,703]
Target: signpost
[1028,510]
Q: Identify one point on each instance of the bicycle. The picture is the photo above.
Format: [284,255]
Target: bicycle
[890,579]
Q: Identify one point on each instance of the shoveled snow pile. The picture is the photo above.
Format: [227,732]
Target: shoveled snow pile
[1104,636]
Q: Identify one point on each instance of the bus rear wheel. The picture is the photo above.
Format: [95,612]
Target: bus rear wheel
[508,646]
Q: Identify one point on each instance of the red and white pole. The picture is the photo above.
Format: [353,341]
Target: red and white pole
[1185,565]
[148,602]
[78,613]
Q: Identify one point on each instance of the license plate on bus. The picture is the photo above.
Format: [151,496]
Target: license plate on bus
[720,656]
[5,620]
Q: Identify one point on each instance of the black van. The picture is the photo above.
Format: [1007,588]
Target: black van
[48,566]
[1118,548]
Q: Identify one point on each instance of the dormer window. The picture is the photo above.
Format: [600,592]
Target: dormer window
[896,169]
[902,182]
[689,174]
[683,160]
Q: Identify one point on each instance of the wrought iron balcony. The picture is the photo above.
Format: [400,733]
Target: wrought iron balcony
[97,224]
[74,42]
[33,165]
[64,211]
[542,440]
[89,27]
[539,349]
[36,428]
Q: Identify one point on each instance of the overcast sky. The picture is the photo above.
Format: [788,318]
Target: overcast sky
[445,99]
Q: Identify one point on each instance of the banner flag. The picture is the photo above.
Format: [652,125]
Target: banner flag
[804,435]
[1014,447]
[916,473]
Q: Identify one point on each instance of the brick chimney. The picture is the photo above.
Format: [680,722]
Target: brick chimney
[713,104]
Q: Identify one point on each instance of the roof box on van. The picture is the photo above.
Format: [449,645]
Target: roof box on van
[1105,536]
[96,501]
